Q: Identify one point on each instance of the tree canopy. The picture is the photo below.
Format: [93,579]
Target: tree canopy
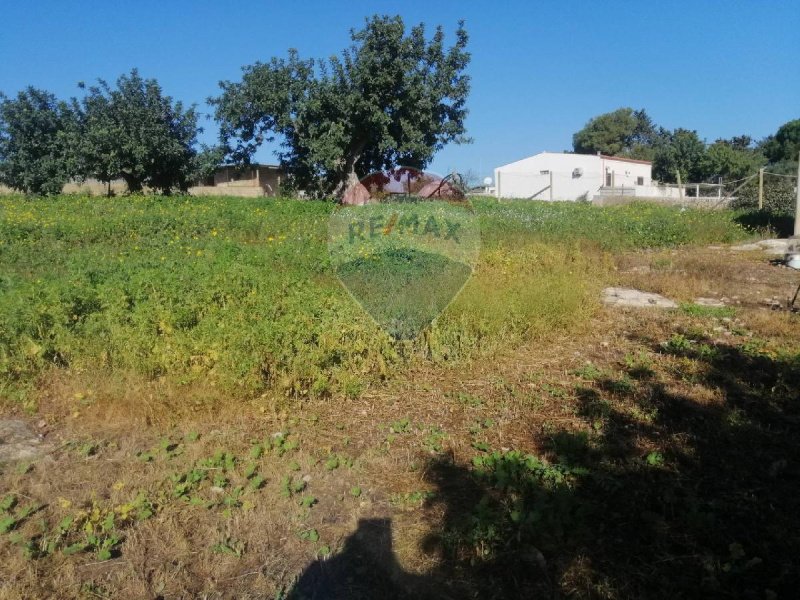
[783,147]
[630,133]
[134,132]
[623,132]
[131,131]
[681,151]
[37,138]
[392,98]
[732,159]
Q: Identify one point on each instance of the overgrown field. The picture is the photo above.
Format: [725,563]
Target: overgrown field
[212,415]
[236,297]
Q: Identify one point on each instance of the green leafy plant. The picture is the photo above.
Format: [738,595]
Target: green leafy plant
[588,371]
[309,535]
[433,440]
[290,486]
[716,312]
[230,547]
[308,501]
[469,400]
[400,426]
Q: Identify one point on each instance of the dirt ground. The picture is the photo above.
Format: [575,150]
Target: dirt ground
[686,421]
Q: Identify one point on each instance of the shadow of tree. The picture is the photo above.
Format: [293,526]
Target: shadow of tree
[670,496]
[781,224]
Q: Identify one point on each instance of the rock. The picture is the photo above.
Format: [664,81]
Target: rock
[356,195]
[614,296]
[783,244]
[746,247]
[18,442]
[709,302]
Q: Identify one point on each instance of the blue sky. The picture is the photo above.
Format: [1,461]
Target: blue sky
[539,70]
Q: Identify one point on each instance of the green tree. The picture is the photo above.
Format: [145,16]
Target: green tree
[37,142]
[782,148]
[392,98]
[134,132]
[730,160]
[680,151]
[623,132]
[207,160]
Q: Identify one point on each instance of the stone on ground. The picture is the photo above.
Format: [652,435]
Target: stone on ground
[778,247]
[18,441]
[615,296]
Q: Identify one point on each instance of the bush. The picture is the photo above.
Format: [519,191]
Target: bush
[779,196]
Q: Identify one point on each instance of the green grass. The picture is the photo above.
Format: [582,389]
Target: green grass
[404,291]
[241,293]
[699,310]
[627,227]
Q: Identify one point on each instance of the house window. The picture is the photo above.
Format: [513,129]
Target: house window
[640,181]
[544,172]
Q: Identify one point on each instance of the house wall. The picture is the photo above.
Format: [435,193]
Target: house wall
[249,183]
[93,187]
[528,177]
[625,173]
[524,178]
[270,180]
[233,177]
[239,191]
[265,179]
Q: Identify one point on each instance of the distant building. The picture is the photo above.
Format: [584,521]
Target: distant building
[251,181]
[564,176]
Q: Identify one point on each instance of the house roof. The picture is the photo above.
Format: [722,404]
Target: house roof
[248,166]
[623,159]
[584,156]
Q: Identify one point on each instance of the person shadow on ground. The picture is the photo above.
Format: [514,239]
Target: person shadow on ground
[672,496]
[365,568]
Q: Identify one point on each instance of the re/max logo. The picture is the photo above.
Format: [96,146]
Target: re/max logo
[411,223]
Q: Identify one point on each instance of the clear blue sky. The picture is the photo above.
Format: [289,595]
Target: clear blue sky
[539,70]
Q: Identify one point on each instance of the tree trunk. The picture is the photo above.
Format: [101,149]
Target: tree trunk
[349,180]
[134,183]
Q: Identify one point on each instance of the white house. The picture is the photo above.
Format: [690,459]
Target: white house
[563,176]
